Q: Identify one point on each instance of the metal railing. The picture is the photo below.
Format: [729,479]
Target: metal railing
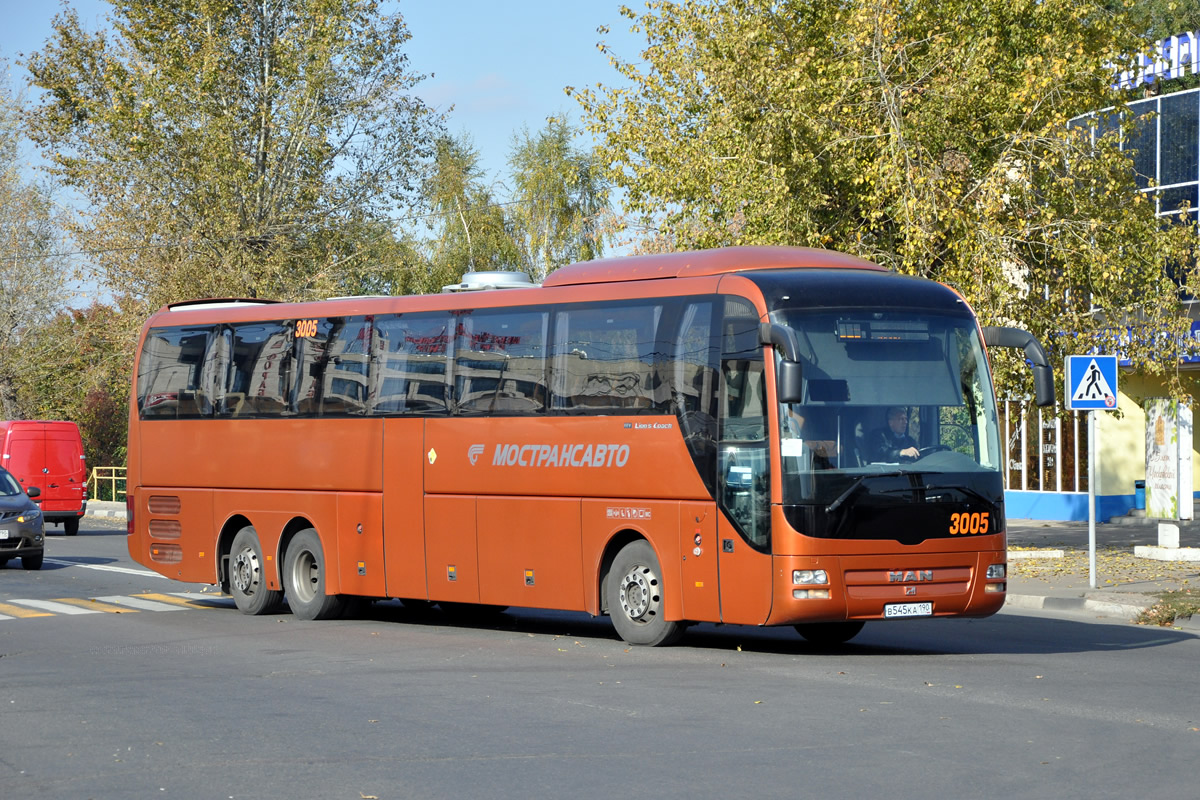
[106,483]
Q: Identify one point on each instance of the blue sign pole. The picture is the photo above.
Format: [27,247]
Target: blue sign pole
[1092,499]
[1091,387]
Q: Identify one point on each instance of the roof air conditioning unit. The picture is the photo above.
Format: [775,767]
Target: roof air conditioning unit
[498,279]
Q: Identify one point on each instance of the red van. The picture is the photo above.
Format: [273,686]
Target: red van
[48,455]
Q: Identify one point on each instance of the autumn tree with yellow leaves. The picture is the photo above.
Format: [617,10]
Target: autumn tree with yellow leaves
[930,136]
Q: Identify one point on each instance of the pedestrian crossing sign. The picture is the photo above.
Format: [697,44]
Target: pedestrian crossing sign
[1091,383]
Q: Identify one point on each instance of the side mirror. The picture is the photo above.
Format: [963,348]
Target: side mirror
[788,375]
[33,493]
[789,379]
[1043,376]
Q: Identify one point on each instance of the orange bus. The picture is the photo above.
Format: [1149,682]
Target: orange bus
[665,439]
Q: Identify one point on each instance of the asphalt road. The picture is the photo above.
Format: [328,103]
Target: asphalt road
[194,700]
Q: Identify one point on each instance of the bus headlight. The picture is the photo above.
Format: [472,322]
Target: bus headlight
[809,576]
[996,572]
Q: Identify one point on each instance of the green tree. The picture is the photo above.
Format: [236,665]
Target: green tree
[470,230]
[930,136]
[1159,19]
[553,215]
[230,147]
[559,199]
[31,276]
[84,358]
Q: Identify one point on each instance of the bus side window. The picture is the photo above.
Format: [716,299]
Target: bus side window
[170,381]
[408,370]
[743,467]
[499,361]
[694,385]
[604,359]
[344,382]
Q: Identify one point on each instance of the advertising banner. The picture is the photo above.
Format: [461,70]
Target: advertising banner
[1168,459]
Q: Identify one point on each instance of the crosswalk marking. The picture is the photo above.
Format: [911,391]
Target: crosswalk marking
[55,607]
[188,599]
[16,612]
[95,605]
[26,608]
[139,603]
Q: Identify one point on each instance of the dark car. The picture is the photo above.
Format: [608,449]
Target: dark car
[22,533]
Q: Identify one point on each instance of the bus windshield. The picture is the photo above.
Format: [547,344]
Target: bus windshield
[886,394]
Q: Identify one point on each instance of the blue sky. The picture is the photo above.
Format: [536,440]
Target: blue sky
[500,64]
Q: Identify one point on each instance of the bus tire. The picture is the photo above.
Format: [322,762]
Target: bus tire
[634,593]
[71,526]
[830,633]
[304,579]
[247,579]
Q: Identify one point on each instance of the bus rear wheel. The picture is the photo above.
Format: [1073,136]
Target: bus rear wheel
[304,579]
[829,633]
[247,581]
[634,595]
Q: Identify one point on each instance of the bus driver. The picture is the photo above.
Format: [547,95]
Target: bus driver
[892,443]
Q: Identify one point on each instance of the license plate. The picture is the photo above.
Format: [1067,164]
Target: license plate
[3,533]
[908,610]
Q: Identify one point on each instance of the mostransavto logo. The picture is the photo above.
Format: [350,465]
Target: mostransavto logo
[568,455]
[474,452]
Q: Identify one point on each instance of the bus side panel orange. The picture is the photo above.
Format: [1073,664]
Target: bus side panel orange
[279,454]
[403,507]
[360,545]
[745,578]
[451,554]
[657,522]
[176,535]
[699,545]
[530,552]
[585,456]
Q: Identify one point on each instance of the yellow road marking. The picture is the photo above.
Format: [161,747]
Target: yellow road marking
[94,605]
[17,611]
[198,602]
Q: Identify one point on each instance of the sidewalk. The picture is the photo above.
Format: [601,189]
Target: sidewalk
[1126,584]
[1048,565]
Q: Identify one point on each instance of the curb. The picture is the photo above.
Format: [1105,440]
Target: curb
[104,513]
[1033,602]
[1083,605]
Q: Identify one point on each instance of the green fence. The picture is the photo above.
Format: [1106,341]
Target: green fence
[107,483]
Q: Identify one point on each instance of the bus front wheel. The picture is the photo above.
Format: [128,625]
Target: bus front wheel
[247,581]
[304,579]
[635,597]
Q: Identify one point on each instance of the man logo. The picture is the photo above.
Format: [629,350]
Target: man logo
[474,452]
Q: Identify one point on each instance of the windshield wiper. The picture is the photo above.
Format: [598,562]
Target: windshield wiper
[844,496]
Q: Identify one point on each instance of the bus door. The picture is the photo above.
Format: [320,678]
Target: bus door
[404,507]
[743,474]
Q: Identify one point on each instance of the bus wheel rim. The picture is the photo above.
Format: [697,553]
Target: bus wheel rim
[246,571]
[638,598]
[306,576]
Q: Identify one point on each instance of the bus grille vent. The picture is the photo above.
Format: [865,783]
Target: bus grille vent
[164,504]
[165,529]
